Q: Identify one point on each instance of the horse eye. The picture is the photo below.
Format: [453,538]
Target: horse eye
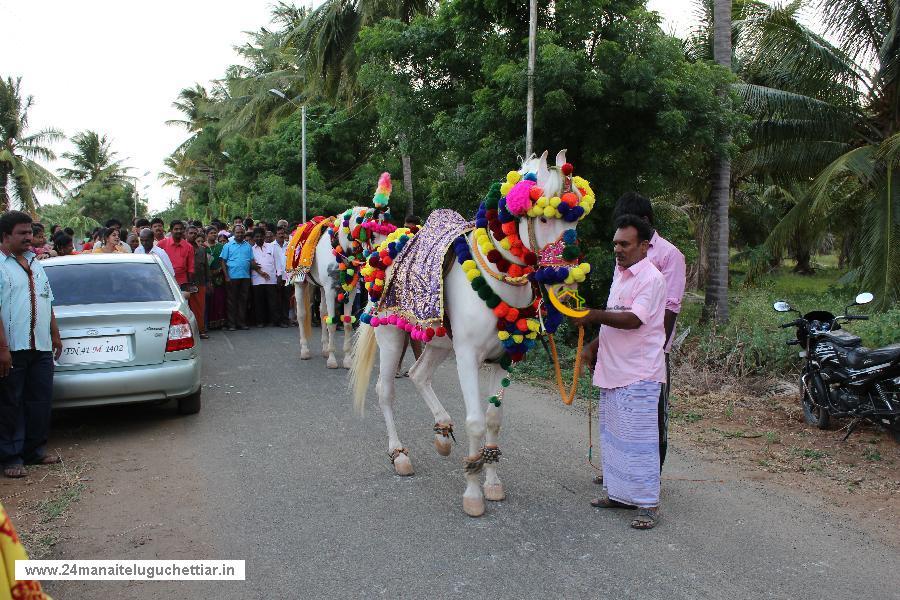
[543,219]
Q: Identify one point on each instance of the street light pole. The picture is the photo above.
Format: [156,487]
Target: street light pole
[283,96]
[532,48]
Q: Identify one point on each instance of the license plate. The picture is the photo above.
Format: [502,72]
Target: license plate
[79,351]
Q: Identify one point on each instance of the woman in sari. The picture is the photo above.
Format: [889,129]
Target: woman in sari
[216,295]
[110,245]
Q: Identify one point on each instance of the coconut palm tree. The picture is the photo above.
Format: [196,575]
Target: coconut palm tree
[93,161]
[716,306]
[20,151]
[831,112]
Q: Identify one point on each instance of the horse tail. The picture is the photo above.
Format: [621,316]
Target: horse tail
[364,346]
[307,311]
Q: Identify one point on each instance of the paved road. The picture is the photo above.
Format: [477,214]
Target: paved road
[276,470]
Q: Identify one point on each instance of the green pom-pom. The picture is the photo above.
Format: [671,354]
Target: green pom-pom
[504,382]
[494,191]
[478,283]
[485,293]
[505,362]
[490,203]
[493,301]
[571,253]
[349,272]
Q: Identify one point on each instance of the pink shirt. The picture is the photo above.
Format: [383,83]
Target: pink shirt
[670,262]
[626,356]
[182,256]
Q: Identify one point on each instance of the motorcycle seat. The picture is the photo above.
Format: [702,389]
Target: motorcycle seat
[864,357]
[841,338]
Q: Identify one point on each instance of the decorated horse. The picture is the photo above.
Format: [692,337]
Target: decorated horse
[327,252]
[478,290]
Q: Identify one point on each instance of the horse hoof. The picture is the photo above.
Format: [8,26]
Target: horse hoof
[403,466]
[304,355]
[494,492]
[442,445]
[332,363]
[474,507]
[348,363]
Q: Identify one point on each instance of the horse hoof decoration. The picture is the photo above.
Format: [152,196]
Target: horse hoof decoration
[474,507]
[332,363]
[400,460]
[304,354]
[494,492]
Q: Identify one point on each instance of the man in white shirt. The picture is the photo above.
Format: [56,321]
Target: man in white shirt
[147,247]
[285,291]
[264,281]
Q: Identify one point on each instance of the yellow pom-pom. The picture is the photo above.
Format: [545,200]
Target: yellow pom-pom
[503,335]
[579,276]
[534,325]
[531,336]
[554,201]
[504,188]
[549,212]
[518,338]
[542,202]
[471,275]
[469,265]
[379,282]
[569,280]
[534,212]
[485,247]
[505,243]
[513,177]
[585,267]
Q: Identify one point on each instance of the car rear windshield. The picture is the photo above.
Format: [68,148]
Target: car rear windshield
[106,283]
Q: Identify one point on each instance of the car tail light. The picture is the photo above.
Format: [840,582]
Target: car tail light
[180,335]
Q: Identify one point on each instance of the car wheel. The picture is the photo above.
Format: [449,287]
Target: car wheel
[189,405]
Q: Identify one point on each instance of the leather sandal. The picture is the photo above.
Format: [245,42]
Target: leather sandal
[15,471]
[646,518]
[607,502]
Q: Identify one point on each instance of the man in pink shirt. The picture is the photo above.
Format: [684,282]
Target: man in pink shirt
[670,262]
[181,253]
[630,371]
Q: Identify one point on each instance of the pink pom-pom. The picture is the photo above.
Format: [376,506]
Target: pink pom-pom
[375,322]
[392,319]
[518,200]
[384,183]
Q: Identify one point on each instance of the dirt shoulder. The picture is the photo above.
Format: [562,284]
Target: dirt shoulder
[757,425]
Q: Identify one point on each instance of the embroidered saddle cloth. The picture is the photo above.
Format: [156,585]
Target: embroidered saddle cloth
[301,249]
[415,285]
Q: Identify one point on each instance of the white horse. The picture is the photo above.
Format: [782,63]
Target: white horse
[323,274]
[474,341]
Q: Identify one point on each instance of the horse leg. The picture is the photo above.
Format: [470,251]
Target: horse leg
[301,291]
[467,364]
[348,330]
[323,314]
[420,374]
[493,488]
[390,343]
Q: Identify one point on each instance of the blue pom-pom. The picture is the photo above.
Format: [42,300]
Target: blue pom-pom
[570,235]
[530,176]
[481,222]
[578,211]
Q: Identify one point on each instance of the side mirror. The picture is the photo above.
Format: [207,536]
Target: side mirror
[782,306]
[864,298]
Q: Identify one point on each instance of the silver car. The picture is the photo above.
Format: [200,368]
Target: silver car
[127,331]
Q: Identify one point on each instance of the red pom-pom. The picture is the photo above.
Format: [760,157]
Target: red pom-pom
[515,271]
[509,228]
[512,314]
[522,325]
[430,333]
[535,193]
[491,214]
[388,261]
[531,259]
[501,309]
[503,265]
[440,331]
[340,297]
[567,169]
[494,255]
[517,356]
[570,198]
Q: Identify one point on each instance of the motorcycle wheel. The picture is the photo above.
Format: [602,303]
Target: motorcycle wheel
[814,413]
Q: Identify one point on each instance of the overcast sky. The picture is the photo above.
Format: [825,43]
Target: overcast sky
[115,67]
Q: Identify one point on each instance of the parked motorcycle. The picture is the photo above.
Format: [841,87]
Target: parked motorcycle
[841,378]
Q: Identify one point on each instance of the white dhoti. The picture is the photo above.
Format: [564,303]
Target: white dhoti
[629,439]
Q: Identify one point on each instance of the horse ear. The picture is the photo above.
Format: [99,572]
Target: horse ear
[543,172]
[561,158]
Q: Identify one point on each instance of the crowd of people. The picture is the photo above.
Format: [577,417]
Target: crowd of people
[234,273]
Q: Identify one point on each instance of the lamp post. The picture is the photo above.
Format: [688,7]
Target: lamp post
[529,108]
[302,108]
